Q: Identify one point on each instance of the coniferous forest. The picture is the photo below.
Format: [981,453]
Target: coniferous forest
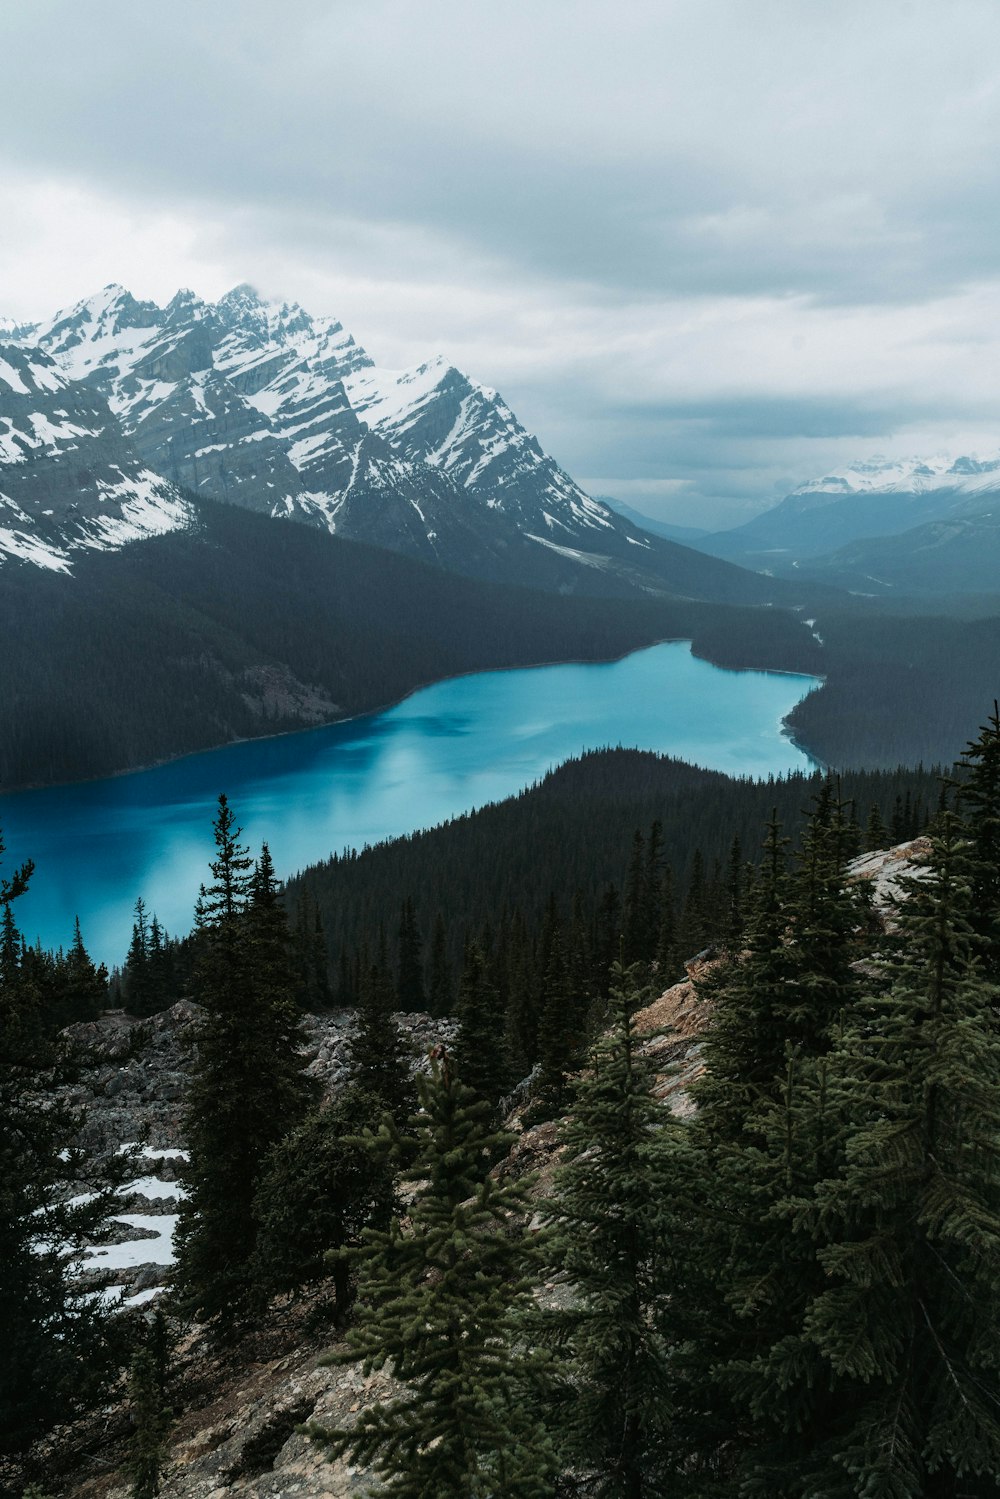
[778,1277]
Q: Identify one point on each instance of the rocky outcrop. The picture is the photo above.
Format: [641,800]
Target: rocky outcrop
[132,1090]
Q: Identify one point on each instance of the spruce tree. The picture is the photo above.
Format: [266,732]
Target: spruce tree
[86,985]
[909,1231]
[613,1239]
[440,997]
[323,1184]
[979,788]
[60,1344]
[479,1051]
[410,994]
[380,1057]
[150,1424]
[744,1046]
[436,1302]
[248,1088]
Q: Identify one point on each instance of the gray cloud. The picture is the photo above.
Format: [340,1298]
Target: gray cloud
[722,239]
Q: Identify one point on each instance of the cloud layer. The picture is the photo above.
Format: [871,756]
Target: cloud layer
[706,250]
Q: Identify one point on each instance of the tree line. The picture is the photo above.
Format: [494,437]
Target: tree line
[791,1292]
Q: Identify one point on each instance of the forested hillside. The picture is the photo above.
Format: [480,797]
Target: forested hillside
[245,626]
[575,852]
[248,626]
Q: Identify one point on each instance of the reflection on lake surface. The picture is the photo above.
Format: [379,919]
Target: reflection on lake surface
[448,748]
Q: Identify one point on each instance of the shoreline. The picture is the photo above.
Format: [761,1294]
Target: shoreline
[211,749]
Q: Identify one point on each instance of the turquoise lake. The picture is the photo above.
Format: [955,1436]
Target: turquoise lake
[448,748]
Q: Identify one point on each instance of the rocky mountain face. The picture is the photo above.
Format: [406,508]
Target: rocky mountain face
[263,406]
[877,499]
[69,478]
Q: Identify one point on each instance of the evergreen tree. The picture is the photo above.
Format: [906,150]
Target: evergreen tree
[60,1345]
[248,1087]
[440,996]
[876,832]
[410,994]
[744,1045]
[150,1423]
[322,1186]
[380,1056]
[86,986]
[909,1231]
[613,1239]
[636,935]
[479,1049]
[436,1302]
[139,999]
[979,788]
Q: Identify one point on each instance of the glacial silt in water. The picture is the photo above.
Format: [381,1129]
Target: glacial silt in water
[448,748]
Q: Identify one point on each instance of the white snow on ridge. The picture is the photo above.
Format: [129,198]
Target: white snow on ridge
[25,548]
[908,475]
[126,1256]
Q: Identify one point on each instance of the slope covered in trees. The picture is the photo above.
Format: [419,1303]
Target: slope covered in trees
[570,838]
[246,626]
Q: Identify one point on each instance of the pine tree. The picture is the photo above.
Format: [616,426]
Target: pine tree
[909,1232]
[440,996]
[139,999]
[744,1045]
[150,1423]
[86,986]
[248,1088]
[410,994]
[380,1056]
[436,1303]
[979,789]
[323,1184]
[613,1240]
[876,832]
[60,1345]
[479,1052]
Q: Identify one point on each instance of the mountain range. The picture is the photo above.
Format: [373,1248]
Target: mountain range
[912,526]
[261,405]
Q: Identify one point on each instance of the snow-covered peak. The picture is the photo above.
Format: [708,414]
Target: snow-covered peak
[102,333]
[879,475]
[26,371]
[15,332]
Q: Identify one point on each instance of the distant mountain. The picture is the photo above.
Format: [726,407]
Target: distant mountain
[261,405]
[957,555]
[687,535]
[69,479]
[873,499]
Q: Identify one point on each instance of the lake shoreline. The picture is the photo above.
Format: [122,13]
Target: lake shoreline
[329,723]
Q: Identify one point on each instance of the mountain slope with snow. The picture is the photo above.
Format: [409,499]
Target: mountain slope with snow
[262,405]
[880,497]
[68,477]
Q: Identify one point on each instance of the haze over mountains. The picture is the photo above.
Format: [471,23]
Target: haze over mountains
[261,405]
[922,525]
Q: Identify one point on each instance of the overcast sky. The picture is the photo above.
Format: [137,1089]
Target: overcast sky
[707,249]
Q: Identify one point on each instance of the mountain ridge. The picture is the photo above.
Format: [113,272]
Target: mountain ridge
[262,405]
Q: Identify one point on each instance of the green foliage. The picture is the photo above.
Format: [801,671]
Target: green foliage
[436,1301]
[479,1050]
[248,1088]
[614,1238]
[60,1346]
[909,1230]
[380,1055]
[151,1421]
[323,1184]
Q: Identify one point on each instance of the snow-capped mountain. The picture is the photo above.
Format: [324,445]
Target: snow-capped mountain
[262,405]
[68,477]
[878,497]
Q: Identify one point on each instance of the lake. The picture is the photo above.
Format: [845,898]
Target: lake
[448,748]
